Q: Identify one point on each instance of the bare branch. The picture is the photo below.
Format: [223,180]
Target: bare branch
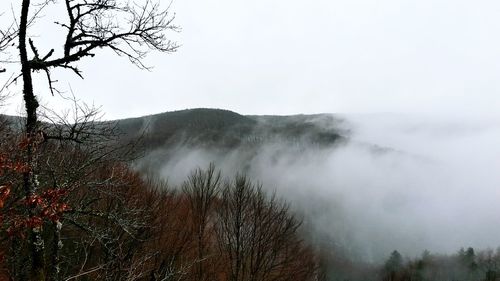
[129,30]
[7,36]
[92,270]
[84,126]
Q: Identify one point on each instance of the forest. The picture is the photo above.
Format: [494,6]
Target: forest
[101,220]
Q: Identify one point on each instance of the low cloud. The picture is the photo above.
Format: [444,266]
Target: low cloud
[399,182]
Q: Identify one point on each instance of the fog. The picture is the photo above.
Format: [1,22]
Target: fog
[405,182]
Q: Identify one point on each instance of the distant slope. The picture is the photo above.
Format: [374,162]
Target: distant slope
[226,129]
[164,137]
[223,129]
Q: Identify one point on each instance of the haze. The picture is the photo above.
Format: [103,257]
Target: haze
[401,182]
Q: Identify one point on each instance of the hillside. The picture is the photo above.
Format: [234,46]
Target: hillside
[195,137]
[226,129]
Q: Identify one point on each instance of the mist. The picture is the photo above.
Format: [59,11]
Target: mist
[405,182]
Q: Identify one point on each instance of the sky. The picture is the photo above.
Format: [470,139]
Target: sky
[289,57]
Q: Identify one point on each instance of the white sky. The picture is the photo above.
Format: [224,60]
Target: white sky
[289,56]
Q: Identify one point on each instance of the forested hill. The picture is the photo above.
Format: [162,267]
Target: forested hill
[226,129]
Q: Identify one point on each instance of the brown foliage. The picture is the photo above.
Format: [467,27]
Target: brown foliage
[102,221]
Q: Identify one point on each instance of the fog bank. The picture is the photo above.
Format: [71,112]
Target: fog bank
[399,182]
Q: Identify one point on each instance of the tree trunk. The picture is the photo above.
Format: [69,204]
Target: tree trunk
[36,243]
[56,249]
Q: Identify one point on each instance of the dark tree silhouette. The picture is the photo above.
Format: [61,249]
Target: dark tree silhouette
[393,266]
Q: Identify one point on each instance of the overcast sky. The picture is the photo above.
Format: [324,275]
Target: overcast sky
[288,56]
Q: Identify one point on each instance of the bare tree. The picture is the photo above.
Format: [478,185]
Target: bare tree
[257,236]
[130,30]
[172,234]
[202,189]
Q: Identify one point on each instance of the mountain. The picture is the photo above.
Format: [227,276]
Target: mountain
[172,137]
[224,129]
[180,141]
